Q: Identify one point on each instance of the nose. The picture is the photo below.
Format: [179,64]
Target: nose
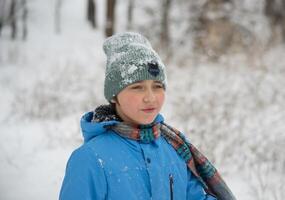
[149,96]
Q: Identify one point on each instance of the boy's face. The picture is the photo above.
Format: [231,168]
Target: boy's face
[140,102]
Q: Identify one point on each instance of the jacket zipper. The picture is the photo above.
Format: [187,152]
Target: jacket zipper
[171,186]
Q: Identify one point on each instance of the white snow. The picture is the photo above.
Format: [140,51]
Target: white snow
[132,69]
[233,111]
[101,162]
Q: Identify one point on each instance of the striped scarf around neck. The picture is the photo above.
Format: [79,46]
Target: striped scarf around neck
[196,162]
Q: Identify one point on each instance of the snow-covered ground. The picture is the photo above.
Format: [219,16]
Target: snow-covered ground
[233,111]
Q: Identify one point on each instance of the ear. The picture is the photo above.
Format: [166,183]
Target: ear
[113,100]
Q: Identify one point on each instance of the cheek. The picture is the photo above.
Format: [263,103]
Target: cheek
[130,102]
[160,98]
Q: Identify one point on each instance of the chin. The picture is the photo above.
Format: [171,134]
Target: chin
[147,121]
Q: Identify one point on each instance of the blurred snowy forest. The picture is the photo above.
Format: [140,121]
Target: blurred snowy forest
[225,62]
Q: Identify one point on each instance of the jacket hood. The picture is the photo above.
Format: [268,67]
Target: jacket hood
[92,129]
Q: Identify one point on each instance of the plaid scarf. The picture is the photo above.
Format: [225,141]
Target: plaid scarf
[196,162]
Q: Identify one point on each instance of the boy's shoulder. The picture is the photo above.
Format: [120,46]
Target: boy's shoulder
[101,141]
[94,148]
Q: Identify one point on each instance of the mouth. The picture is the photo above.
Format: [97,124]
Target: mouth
[148,110]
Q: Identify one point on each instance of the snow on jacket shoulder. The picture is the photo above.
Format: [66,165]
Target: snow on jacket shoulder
[108,166]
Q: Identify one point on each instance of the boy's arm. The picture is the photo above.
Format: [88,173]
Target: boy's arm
[195,189]
[84,177]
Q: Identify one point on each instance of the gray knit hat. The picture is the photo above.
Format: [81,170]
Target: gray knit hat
[130,58]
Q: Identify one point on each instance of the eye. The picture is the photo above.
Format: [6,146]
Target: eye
[158,85]
[136,87]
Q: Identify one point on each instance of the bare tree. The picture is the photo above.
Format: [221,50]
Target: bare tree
[24,19]
[283,21]
[12,18]
[13,14]
[216,34]
[91,13]
[274,10]
[2,14]
[130,14]
[164,34]
[57,16]
[110,14]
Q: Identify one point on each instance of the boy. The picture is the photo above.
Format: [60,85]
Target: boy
[128,151]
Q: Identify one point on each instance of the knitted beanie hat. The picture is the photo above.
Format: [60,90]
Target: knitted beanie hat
[130,58]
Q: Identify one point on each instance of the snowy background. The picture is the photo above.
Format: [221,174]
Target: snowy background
[233,109]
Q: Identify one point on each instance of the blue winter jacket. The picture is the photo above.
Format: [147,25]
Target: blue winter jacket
[108,166]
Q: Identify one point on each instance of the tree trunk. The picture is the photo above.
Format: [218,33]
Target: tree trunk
[269,7]
[283,21]
[2,15]
[130,14]
[110,21]
[1,26]
[57,16]
[91,13]
[24,19]
[274,10]
[164,35]
[12,17]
